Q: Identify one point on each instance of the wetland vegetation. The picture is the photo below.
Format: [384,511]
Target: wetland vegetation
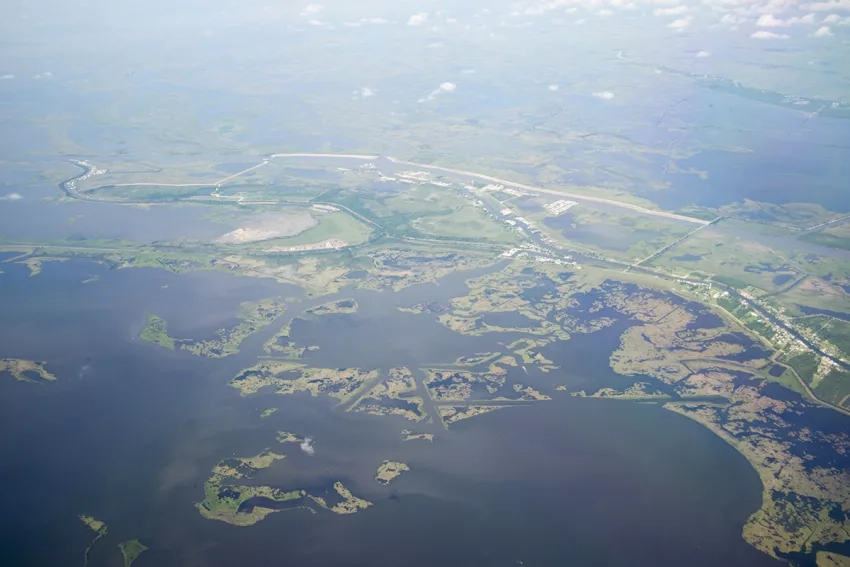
[26,370]
[390,470]
[99,528]
[453,414]
[131,550]
[156,332]
[338,306]
[230,498]
[290,378]
[254,316]
[394,396]
[408,435]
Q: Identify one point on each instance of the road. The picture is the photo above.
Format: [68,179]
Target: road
[470,174]
[577,196]
[661,251]
[825,225]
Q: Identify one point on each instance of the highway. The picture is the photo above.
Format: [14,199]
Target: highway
[576,196]
[433,168]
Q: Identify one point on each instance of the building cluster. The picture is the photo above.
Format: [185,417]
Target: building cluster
[518,222]
[502,189]
[72,185]
[406,177]
[704,286]
[539,254]
[559,207]
[325,208]
[415,176]
[782,336]
[329,244]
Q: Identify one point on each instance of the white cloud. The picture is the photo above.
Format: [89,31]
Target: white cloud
[364,22]
[468,72]
[418,19]
[436,44]
[44,75]
[829,6]
[731,20]
[604,12]
[307,446]
[312,9]
[553,88]
[703,54]
[7,77]
[675,11]
[680,24]
[832,19]
[443,88]
[538,8]
[604,95]
[451,20]
[762,34]
[364,92]
[11,197]
[769,21]
[823,31]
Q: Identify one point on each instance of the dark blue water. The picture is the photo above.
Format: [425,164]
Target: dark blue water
[815,311]
[130,432]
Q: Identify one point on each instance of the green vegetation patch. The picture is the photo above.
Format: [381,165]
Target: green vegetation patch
[423,211]
[835,331]
[255,316]
[744,314]
[736,261]
[95,525]
[347,305]
[393,397]
[796,215]
[408,435]
[805,364]
[223,497]
[339,226]
[100,528]
[627,237]
[131,550]
[390,470]
[826,239]
[835,388]
[227,493]
[453,414]
[156,332]
[291,378]
[26,370]
[466,223]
